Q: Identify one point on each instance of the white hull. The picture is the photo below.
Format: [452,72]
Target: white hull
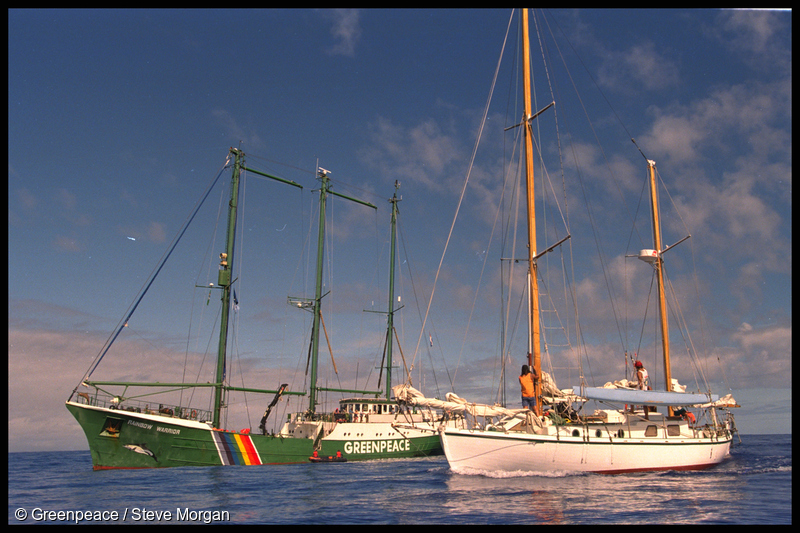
[557,450]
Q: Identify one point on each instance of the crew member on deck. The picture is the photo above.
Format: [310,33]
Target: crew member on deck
[526,384]
[643,383]
[643,380]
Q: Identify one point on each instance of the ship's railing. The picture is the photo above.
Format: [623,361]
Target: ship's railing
[108,401]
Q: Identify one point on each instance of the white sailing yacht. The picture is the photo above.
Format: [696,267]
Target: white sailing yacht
[613,440]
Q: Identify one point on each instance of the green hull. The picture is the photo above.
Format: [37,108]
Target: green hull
[368,450]
[123,439]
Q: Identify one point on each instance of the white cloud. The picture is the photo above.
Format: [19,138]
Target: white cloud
[423,152]
[639,66]
[346,30]
[756,34]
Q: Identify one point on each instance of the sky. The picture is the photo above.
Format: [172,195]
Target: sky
[119,120]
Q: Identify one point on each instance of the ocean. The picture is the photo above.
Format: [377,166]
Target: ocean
[752,486]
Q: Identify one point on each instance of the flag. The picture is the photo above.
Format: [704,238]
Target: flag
[430,339]
[235,302]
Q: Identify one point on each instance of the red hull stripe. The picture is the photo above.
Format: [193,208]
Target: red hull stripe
[663,468]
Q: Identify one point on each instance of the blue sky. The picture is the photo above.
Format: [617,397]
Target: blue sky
[119,119]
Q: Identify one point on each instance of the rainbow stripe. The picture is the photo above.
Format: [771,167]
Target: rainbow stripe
[235,449]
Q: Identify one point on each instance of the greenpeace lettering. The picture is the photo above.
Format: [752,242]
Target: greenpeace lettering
[377,446]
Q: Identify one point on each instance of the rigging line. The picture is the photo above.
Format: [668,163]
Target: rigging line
[361,190]
[305,252]
[419,314]
[596,138]
[211,339]
[683,329]
[235,348]
[702,315]
[546,62]
[475,299]
[516,186]
[596,85]
[591,126]
[204,261]
[153,276]
[565,215]
[261,158]
[543,168]
[626,297]
[603,262]
[504,330]
[463,190]
[480,277]
[646,310]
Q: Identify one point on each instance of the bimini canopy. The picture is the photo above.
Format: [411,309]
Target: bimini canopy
[644,397]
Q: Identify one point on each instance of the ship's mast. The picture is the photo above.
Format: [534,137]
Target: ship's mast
[224,282]
[535,356]
[323,195]
[658,264]
[324,190]
[390,320]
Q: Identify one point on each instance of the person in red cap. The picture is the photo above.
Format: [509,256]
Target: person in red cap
[641,376]
[643,383]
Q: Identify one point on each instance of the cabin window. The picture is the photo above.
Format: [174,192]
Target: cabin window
[651,431]
[598,433]
[621,433]
[576,433]
[673,430]
[111,427]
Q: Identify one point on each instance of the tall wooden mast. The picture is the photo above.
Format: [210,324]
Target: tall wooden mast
[535,355]
[659,266]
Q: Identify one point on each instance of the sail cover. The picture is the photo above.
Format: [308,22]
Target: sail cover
[643,397]
[453,404]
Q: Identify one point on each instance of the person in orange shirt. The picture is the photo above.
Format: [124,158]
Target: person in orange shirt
[526,383]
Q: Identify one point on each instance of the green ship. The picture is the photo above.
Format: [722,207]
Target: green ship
[124,431]
[370,426]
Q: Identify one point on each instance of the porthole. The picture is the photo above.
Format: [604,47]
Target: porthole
[576,433]
[598,433]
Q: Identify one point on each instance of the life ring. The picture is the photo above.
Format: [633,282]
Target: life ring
[194,414]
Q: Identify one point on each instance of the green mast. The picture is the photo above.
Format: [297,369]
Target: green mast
[317,304]
[323,195]
[224,282]
[390,321]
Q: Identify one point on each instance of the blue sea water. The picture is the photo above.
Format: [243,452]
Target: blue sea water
[752,486]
